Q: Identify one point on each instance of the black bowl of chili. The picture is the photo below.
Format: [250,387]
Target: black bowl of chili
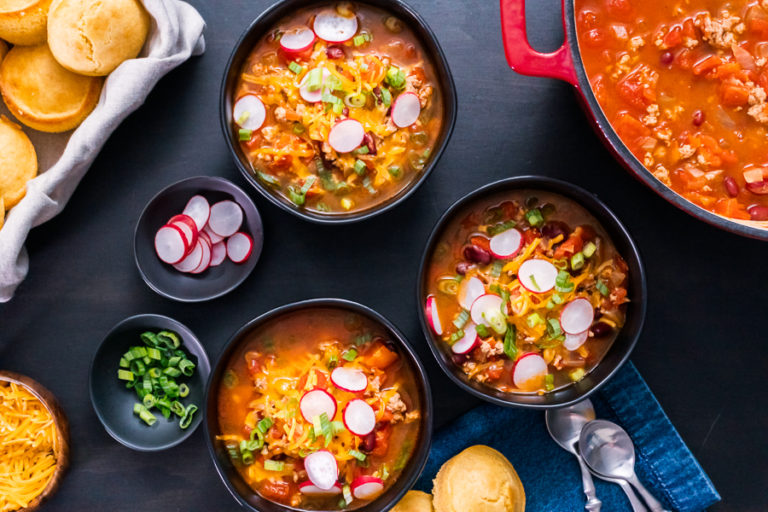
[296,198]
[273,335]
[615,355]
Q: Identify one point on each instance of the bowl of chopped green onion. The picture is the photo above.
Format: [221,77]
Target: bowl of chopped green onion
[147,382]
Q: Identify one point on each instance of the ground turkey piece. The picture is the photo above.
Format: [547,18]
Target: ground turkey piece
[720,32]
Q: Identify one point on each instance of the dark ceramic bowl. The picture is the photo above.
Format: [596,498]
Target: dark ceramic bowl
[262,26]
[621,348]
[228,473]
[113,402]
[214,282]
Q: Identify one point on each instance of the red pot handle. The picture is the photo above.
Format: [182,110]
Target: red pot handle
[524,59]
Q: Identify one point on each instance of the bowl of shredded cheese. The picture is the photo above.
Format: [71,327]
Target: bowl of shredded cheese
[34,443]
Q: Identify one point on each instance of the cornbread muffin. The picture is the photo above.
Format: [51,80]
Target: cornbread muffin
[42,94]
[414,501]
[92,37]
[479,479]
[24,21]
[18,163]
[2,212]
[3,50]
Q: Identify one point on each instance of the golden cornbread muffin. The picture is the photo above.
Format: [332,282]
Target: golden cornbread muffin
[92,37]
[479,479]
[23,21]
[42,94]
[414,501]
[3,50]
[18,163]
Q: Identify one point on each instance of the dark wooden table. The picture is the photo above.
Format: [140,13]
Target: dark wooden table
[702,352]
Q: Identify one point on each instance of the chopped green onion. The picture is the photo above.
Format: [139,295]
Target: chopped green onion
[124,363]
[124,375]
[295,68]
[186,420]
[501,227]
[461,320]
[549,382]
[347,495]
[349,355]
[386,97]
[533,320]
[187,367]
[264,425]
[149,400]
[602,288]
[534,283]
[183,390]
[456,337]
[245,134]
[563,283]
[395,77]
[534,217]
[557,299]
[144,414]
[243,118]
[172,372]
[395,171]
[356,100]
[364,338]
[577,374]
[274,465]
[360,167]
[384,472]
[553,327]
[246,457]
[177,408]
[577,261]
[510,342]
[298,128]
[362,150]
[314,80]
[496,268]
[589,249]
[358,455]
[368,186]
[482,331]
[268,178]
[337,427]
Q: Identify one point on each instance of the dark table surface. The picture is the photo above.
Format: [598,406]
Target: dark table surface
[702,351]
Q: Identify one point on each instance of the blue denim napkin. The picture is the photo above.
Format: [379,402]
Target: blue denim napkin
[551,476]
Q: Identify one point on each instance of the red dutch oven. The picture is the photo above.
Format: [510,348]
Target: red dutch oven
[566,64]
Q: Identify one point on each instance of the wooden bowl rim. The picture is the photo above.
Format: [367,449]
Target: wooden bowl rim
[62,429]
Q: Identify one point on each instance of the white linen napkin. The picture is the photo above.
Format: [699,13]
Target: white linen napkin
[64,158]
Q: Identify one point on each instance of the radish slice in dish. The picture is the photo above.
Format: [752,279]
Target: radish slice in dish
[190,235]
[218,254]
[433,317]
[170,244]
[333,27]
[193,259]
[249,112]
[239,247]
[316,402]
[322,469]
[199,210]
[486,310]
[574,341]
[297,40]
[469,290]
[310,489]
[506,244]
[346,135]
[529,372]
[537,276]
[468,341]
[366,487]
[406,109]
[188,227]
[313,96]
[204,236]
[212,236]
[349,379]
[359,417]
[226,218]
[577,316]
[206,260]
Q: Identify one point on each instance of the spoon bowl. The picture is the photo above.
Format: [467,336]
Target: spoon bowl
[565,424]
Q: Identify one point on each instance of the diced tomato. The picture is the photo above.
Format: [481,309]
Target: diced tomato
[731,208]
[594,37]
[381,357]
[757,21]
[571,246]
[619,8]
[689,29]
[252,360]
[630,129]
[322,379]
[673,38]
[599,88]
[638,87]
[529,235]
[494,372]
[481,242]
[734,94]
[685,58]
[276,490]
[706,64]
[727,69]
[588,19]
[382,441]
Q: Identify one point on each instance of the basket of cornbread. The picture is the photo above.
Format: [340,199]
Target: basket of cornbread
[70,71]
[479,479]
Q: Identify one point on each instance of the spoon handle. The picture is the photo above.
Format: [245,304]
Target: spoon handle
[593,504]
[637,505]
[652,502]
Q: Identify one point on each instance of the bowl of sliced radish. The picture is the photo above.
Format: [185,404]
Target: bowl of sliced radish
[533,293]
[198,239]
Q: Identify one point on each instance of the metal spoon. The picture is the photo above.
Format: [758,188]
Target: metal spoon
[564,425]
[608,451]
[634,501]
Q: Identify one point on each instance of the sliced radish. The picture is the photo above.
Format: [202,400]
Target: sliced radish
[486,310]
[322,469]
[211,235]
[366,487]
[346,135]
[193,259]
[297,40]
[239,247]
[313,96]
[406,109]
[537,276]
[469,290]
[433,317]
[577,316]
[349,379]
[468,341]
[190,238]
[199,210]
[205,262]
[226,218]
[249,112]
[529,372]
[316,402]
[188,227]
[507,243]
[170,244]
[218,254]
[574,341]
[309,489]
[359,417]
[333,27]
[206,238]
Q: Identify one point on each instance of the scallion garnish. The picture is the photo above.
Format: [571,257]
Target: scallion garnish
[395,77]
[501,227]
[549,382]
[362,150]
[295,67]
[461,319]
[268,178]
[314,80]
[482,331]
[395,171]
[577,261]
[602,288]
[349,355]
[534,217]
[264,425]
[456,337]
[553,327]
[358,455]
[533,282]
[533,320]
[496,268]
[360,167]
[510,342]
[244,134]
[274,465]
[589,249]
[563,283]
[368,186]
[386,97]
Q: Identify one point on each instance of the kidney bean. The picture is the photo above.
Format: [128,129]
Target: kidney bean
[601,329]
[460,358]
[368,444]
[698,118]
[553,228]
[667,58]
[369,141]
[462,267]
[758,212]
[731,186]
[477,254]
[345,112]
[759,187]
[335,52]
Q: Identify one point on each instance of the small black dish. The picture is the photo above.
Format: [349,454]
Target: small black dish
[621,348]
[113,402]
[228,473]
[214,282]
[262,26]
